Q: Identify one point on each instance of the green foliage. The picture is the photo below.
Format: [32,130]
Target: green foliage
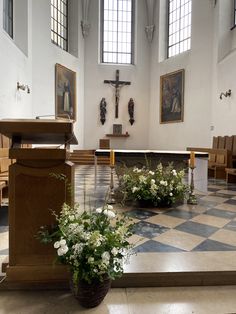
[92,243]
[164,185]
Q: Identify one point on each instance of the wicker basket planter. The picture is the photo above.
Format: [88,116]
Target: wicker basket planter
[91,295]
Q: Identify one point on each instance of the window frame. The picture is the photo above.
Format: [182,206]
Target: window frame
[234,19]
[132,43]
[168,31]
[66,25]
[8,17]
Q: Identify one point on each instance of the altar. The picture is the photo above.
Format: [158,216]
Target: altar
[180,159]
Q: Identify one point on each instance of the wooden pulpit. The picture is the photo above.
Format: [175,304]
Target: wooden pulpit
[34,193]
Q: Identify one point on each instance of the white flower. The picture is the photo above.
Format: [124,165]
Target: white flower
[62,250]
[153,181]
[110,214]
[134,189]
[174,172]
[142,179]
[114,251]
[162,182]
[151,173]
[71,217]
[99,210]
[90,260]
[63,242]
[171,194]
[110,207]
[105,257]
[57,245]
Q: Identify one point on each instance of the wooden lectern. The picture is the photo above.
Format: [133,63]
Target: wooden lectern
[33,193]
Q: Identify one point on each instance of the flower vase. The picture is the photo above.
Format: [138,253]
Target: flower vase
[90,295]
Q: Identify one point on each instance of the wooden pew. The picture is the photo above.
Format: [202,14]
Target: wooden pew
[219,160]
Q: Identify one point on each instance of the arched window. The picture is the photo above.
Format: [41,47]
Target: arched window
[117,31]
[179,26]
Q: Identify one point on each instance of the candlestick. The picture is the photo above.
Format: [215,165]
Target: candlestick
[112,158]
[192,160]
[192,198]
[111,199]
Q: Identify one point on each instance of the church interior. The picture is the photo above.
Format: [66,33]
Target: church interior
[91,93]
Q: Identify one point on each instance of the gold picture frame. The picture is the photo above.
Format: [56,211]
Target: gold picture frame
[65,92]
[172,97]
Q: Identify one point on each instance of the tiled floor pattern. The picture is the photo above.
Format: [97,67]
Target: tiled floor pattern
[209,226]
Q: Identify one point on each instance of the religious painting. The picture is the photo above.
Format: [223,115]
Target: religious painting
[65,92]
[172,97]
[117,129]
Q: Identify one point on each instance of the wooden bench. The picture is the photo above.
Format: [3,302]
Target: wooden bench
[230,175]
[219,159]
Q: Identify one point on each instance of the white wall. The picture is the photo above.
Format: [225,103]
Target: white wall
[197,62]
[15,66]
[209,70]
[45,56]
[224,72]
[95,89]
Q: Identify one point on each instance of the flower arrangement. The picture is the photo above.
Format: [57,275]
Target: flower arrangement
[164,185]
[93,244]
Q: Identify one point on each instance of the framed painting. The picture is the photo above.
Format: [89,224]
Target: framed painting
[65,92]
[117,129]
[172,97]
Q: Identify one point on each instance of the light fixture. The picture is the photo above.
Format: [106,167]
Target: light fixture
[226,94]
[23,87]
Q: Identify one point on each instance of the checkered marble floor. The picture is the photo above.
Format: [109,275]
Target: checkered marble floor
[209,226]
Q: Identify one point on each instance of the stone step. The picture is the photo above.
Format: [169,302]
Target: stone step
[86,157]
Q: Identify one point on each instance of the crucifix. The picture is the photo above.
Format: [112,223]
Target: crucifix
[117,84]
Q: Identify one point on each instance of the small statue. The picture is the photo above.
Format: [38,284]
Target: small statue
[131,111]
[103,110]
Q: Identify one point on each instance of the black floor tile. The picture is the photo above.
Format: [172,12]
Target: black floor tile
[211,245]
[231,226]
[231,202]
[141,214]
[154,246]
[148,230]
[197,228]
[221,195]
[4,229]
[207,204]
[221,213]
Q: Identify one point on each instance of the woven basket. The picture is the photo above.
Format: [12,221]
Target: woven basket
[91,295]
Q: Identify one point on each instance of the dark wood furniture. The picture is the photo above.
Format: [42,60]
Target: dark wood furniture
[104,143]
[33,193]
[222,155]
[118,135]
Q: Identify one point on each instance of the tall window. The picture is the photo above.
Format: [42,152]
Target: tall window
[59,23]
[117,31]
[234,24]
[8,16]
[179,30]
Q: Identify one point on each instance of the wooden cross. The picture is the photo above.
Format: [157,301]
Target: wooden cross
[117,84]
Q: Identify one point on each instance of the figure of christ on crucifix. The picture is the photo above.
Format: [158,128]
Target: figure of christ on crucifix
[117,84]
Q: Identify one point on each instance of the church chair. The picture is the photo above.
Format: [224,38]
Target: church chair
[221,142]
[215,142]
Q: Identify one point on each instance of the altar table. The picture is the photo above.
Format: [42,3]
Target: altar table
[201,161]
